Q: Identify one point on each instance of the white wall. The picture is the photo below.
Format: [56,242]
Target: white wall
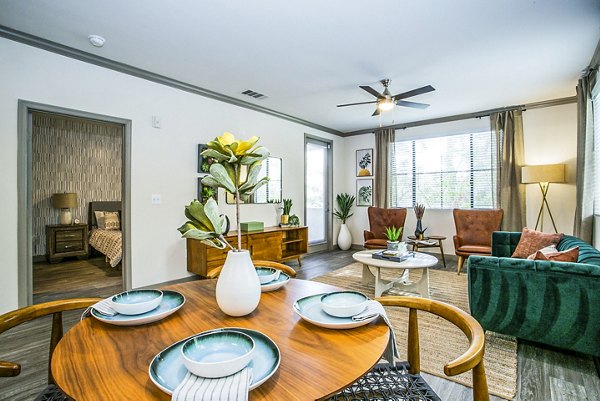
[550,137]
[164,161]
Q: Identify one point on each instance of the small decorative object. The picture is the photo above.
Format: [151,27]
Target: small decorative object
[76,221]
[287,207]
[419,212]
[393,235]
[205,192]
[204,162]
[364,162]
[294,220]
[238,287]
[65,202]
[252,226]
[345,202]
[364,192]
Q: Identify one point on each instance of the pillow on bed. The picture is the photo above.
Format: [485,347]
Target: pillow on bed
[108,220]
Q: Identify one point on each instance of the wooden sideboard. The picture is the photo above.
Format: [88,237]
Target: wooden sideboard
[273,243]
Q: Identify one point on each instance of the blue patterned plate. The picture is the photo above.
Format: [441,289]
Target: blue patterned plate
[171,302]
[309,308]
[275,284]
[167,370]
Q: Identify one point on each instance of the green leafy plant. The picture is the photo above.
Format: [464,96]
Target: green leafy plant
[230,155]
[287,206]
[345,202]
[294,220]
[392,233]
[365,161]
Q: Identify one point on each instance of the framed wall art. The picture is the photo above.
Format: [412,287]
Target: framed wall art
[364,162]
[204,192]
[364,192]
[204,162]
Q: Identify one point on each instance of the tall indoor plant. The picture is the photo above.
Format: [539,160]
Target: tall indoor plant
[236,169]
[345,202]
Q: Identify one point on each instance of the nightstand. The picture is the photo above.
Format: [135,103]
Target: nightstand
[64,240]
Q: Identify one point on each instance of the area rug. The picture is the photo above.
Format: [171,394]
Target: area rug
[441,342]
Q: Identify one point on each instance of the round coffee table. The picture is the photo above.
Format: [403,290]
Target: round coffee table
[418,261]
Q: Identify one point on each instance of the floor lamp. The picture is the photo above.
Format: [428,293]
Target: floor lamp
[543,175]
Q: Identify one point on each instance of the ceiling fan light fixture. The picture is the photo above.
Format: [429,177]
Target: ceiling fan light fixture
[386,105]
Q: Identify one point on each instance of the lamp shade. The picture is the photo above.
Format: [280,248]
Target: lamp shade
[543,173]
[64,200]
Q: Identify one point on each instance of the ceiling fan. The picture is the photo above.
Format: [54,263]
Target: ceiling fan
[385,101]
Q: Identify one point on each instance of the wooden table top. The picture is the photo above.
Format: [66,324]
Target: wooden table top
[98,361]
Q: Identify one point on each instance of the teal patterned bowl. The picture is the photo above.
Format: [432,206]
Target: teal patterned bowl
[217,354]
[136,302]
[344,303]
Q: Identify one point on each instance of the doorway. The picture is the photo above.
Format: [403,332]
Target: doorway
[318,192]
[53,142]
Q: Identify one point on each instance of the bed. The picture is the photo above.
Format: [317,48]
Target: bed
[108,242]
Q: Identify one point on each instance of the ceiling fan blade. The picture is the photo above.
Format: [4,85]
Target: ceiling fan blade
[414,92]
[371,91]
[376,112]
[414,105]
[354,104]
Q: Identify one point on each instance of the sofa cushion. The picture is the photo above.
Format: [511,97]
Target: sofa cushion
[532,241]
[587,253]
[570,255]
[376,243]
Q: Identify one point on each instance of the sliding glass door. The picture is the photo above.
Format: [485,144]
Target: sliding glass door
[317,153]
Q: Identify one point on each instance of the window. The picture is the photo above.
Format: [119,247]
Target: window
[445,172]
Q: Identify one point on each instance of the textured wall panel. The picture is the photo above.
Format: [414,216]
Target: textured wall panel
[72,155]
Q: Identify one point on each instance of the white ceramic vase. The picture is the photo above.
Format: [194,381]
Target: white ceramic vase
[238,286]
[344,240]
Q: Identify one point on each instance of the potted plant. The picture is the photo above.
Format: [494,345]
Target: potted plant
[419,212]
[345,202]
[393,235]
[238,287]
[287,207]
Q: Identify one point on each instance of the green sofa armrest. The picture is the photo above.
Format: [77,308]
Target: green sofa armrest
[555,303]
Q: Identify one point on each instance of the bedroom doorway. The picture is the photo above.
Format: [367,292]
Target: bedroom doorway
[73,175]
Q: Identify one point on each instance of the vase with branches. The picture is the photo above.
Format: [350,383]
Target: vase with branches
[419,212]
[343,212]
[238,287]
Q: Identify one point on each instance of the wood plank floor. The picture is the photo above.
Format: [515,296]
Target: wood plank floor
[544,374]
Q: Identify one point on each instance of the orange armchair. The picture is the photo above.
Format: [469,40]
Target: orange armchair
[474,228]
[379,219]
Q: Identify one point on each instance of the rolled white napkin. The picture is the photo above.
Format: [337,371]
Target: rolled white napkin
[228,388]
[374,308]
[103,307]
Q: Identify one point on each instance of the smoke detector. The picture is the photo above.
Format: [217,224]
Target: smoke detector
[96,40]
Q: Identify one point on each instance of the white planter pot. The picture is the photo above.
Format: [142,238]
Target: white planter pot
[344,240]
[238,286]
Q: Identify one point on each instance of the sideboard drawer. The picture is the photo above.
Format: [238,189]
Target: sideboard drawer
[68,246]
[69,235]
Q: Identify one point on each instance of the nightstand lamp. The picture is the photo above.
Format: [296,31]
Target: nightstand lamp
[65,202]
[543,175]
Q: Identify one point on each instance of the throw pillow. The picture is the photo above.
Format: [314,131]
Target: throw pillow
[111,221]
[532,241]
[570,255]
[547,250]
[99,218]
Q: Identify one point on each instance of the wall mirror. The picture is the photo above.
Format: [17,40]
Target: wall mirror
[269,193]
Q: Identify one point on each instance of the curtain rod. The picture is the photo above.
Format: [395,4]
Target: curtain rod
[477,114]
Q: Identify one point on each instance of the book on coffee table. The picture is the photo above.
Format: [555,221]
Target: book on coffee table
[393,256]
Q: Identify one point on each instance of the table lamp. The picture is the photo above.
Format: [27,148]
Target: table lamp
[64,202]
[543,175]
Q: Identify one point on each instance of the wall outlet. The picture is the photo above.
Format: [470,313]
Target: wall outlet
[156,122]
[156,199]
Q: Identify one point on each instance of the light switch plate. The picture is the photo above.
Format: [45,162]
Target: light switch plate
[156,199]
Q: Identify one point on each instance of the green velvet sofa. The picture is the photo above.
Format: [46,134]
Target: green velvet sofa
[555,303]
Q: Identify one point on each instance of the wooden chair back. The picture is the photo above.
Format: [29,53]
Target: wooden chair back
[22,315]
[471,359]
[214,273]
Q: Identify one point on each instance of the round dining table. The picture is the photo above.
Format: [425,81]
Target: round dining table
[100,361]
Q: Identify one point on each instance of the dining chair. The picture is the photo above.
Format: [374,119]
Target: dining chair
[22,315]
[474,228]
[403,381]
[214,273]
[379,219]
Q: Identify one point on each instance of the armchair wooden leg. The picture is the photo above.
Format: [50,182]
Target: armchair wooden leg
[461,261]
[480,388]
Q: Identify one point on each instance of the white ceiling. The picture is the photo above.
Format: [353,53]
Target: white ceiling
[308,56]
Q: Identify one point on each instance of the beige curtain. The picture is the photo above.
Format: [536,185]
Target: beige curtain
[584,212]
[508,128]
[383,139]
